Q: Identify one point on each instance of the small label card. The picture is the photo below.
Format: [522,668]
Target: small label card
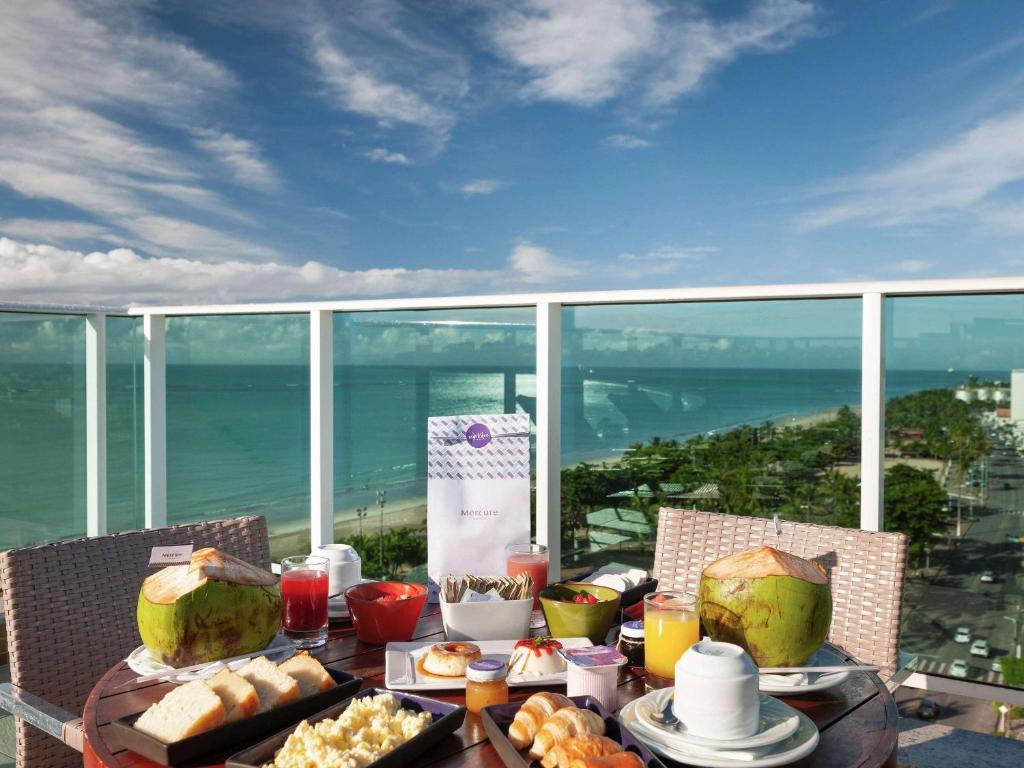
[179,554]
[593,656]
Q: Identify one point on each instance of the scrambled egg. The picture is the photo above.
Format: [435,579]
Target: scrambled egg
[366,730]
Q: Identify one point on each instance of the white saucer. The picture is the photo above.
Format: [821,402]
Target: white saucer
[797,746]
[141,662]
[795,685]
[778,721]
[337,606]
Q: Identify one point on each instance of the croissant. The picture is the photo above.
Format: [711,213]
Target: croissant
[563,725]
[618,760]
[586,745]
[531,717]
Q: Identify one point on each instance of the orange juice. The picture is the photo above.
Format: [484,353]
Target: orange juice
[671,626]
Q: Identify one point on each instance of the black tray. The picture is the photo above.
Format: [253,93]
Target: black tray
[447,719]
[225,737]
[497,720]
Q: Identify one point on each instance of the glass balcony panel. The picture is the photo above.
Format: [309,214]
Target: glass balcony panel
[238,422]
[749,408]
[126,476]
[42,428]
[955,479]
[393,370]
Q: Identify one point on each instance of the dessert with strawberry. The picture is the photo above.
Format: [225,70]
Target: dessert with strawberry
[535,657]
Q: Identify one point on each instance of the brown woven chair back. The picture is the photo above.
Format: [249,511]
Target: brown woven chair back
[865,568]
[70,609]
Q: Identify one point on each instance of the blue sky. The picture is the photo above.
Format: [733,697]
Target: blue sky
[185,152]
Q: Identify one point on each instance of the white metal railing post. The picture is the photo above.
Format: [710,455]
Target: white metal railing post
[321,427]
[872,413]
[96,424]
[549,432]
[155,418]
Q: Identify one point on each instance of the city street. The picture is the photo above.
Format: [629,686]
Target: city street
[956,596]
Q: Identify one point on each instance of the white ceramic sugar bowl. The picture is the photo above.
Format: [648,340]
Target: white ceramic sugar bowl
[716,693]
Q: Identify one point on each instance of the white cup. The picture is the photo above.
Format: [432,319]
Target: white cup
[716,692]
[345,567]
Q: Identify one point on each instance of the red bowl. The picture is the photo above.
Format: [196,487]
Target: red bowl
[385,611]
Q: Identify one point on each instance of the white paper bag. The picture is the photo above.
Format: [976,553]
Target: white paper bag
[478,493]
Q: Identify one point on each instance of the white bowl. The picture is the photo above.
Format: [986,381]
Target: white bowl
[492,620]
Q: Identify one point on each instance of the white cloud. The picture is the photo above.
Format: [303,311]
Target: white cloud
[671,253]
[586,53]
[579,53]
[535,264]
[475,187]
[68,73]
[243,159]
[56,231]
[913,266]
[382,155]
[954,178]
[663,260]
[33,272]
[627,141]
[354,86]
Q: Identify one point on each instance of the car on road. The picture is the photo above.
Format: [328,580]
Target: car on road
[927,709]
[987,577]
[979,648]
[997,665]
[958,668]
[962,635]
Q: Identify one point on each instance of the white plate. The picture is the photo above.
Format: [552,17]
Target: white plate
[795,685]
[797,746]
[778,721]
[396,665]
[141,662]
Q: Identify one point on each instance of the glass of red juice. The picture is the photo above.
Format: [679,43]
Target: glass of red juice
[531,559]
[304,582]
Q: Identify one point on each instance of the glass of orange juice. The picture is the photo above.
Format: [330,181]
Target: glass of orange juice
[671,626]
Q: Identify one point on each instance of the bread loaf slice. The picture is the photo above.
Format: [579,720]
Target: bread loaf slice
[274,687]
[238,695]
[187,710]
[308,673]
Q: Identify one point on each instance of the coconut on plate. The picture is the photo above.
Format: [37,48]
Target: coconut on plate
[215,607]
[775,605]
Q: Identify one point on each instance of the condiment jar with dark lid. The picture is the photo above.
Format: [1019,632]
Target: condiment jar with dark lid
[631,643]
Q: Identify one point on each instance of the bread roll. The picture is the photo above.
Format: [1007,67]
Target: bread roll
[618,760]
[308,673]
[237,694]
[187,710]
[531,717]
[562,726]
[274,687]
[587,745]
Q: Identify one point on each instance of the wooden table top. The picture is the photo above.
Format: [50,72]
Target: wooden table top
[858,719]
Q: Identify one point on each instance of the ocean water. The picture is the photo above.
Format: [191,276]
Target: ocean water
[238,436]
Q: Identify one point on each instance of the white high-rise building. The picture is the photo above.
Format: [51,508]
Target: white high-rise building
[1017,395]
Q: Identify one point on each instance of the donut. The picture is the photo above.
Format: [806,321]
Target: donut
[450,659]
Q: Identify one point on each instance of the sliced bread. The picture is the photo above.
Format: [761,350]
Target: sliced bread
[308,673]
[190,709]
[238,694]
[274,687]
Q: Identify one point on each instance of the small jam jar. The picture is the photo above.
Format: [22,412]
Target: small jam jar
[486,684]
[631,643]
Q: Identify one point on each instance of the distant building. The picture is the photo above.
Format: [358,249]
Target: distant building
[1017,395]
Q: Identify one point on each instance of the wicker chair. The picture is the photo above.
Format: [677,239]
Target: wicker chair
[70,610]
[866,570]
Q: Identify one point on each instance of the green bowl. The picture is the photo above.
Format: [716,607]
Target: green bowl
[568,619]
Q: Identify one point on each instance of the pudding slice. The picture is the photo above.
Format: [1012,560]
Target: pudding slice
[536,657]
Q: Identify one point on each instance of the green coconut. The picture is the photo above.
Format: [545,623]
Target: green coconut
[775,605]
[215,607]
